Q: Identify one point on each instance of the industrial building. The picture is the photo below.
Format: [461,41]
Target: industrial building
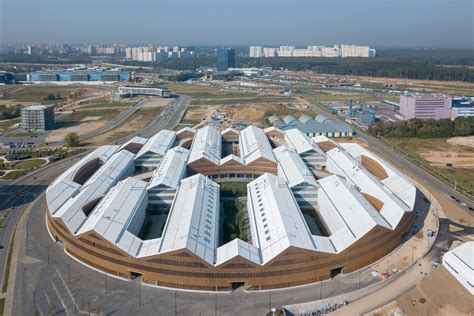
[37,118]
[315,208]
[425,106]
[460,263]
[317,126]
[130,91]
[78,76]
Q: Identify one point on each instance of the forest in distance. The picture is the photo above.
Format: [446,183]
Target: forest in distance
[423,64]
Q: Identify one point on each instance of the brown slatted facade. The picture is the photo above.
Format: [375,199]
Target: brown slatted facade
[182,269]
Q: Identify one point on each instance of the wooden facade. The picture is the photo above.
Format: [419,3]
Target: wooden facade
[183,269]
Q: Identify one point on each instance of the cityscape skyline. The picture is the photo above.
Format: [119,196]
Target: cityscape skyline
[240,22]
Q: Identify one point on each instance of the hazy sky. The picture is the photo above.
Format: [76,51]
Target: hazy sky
[380,23]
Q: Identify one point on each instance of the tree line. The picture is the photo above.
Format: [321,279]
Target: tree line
[444,128]
[9,112]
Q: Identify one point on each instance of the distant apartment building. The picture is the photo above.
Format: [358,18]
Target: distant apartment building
[157,54]
[256,51]
[225,58]
[312,51]
[37,118]
[423,106]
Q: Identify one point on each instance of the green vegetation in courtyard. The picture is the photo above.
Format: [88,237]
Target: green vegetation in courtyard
[146,228]
[234,221]
[233,189]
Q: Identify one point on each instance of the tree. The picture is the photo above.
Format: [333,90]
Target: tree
[72,140]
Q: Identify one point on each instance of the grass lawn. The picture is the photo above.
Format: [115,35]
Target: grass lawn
[14,174]
[108,105]
[6,272]
[8,124]
[28,164]
[233,189]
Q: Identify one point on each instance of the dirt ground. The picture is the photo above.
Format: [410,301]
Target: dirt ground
[457,159]
[80,129]
[198,112]
[439,294]
[257,112]
[157,103]
[465,141]
[136,122]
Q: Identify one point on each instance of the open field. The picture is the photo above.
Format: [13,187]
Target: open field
[134,123]
[39,94]
[439,294]
[8,124]
[108,105]
[439,152]
[83,122]
[200,91]
[243,100]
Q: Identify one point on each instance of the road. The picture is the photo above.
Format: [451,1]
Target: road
[404,164]
[16,196]
[49,281]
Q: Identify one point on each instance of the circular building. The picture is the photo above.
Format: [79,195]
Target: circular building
[151,208]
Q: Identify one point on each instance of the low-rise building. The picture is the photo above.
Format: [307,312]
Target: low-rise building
[37,117]
[425,106]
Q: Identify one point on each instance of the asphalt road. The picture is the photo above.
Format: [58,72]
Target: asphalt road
[16,196]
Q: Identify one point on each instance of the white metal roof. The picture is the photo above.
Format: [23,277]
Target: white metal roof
[460,263]
[194,218]
[119,165]
[159,143]
[237,247]
[292,168]
[254,144]
[64,187]
[397,182]
[299,142]
[134,140]
[341,163]
[172,168]
[123,204]
[207,144]
[348,218]
[276,220]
